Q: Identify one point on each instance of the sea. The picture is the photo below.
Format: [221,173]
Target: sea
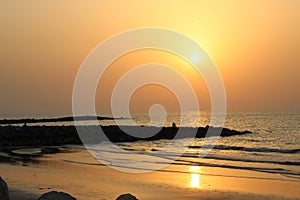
[272,147]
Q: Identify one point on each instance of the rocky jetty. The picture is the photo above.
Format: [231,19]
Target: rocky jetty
[58,119]
[60,135]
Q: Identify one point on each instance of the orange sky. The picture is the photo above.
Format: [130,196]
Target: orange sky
[255,45]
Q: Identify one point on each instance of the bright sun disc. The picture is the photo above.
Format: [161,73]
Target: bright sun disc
[195,58]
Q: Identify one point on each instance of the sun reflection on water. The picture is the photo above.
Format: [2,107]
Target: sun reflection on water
[195,181]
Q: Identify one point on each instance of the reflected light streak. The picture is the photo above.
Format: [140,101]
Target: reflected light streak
[195,181]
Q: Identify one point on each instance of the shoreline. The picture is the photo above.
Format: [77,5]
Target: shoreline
[91,182]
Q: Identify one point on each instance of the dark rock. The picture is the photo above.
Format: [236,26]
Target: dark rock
[3,190]
[126,197]
[54,195]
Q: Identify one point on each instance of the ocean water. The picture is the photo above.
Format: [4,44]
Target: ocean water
[273,147]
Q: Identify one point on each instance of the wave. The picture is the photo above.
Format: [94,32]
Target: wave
[172,155]
[190,159]
[248,149]
[246,160]
[276,170]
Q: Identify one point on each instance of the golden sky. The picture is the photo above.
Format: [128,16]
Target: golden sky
[254,44]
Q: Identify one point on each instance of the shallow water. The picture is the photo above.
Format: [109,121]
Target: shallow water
[274,145]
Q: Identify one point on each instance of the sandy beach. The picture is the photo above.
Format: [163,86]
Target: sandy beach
[89,180]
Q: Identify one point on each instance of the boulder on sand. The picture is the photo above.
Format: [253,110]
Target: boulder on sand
[126,197]
[3,190]
[56,196]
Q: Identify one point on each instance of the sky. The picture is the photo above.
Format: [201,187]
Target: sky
[254,44]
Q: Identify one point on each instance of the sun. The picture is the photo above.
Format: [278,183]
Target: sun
[195,58]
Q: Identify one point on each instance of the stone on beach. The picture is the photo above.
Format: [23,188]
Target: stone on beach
[3,190]
[126,197]
[54,195]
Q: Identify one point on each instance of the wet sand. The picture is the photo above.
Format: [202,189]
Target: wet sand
[87,180]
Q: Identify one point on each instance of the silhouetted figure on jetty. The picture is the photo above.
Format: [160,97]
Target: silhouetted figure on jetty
[174,125]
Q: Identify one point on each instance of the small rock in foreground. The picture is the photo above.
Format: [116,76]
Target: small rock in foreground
[56,196]
[3,190]
[126,197]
